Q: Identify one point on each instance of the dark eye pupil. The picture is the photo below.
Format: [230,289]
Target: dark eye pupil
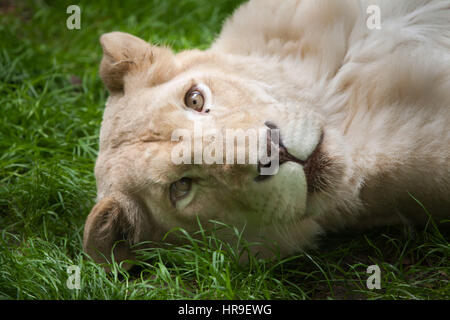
[184,184]
[180,189]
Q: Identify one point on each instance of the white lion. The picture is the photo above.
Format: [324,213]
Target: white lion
[363,115]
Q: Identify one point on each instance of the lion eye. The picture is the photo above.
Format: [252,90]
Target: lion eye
[194,100]
[180,189]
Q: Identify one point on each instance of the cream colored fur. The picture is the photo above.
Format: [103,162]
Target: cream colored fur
[381,99]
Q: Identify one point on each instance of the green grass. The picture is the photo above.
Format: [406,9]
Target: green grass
[51,103]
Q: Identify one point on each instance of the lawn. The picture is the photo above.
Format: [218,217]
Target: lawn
[51,104]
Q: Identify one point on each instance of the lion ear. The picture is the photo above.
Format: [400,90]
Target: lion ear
[107,227]
[129,62]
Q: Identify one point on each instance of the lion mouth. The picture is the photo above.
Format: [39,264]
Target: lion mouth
[311,166]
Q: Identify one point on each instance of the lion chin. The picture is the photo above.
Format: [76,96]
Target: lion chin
[300,118]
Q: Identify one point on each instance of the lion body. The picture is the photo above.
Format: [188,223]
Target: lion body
[379,97]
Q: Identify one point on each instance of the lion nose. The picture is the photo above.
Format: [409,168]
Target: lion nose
[277,145]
